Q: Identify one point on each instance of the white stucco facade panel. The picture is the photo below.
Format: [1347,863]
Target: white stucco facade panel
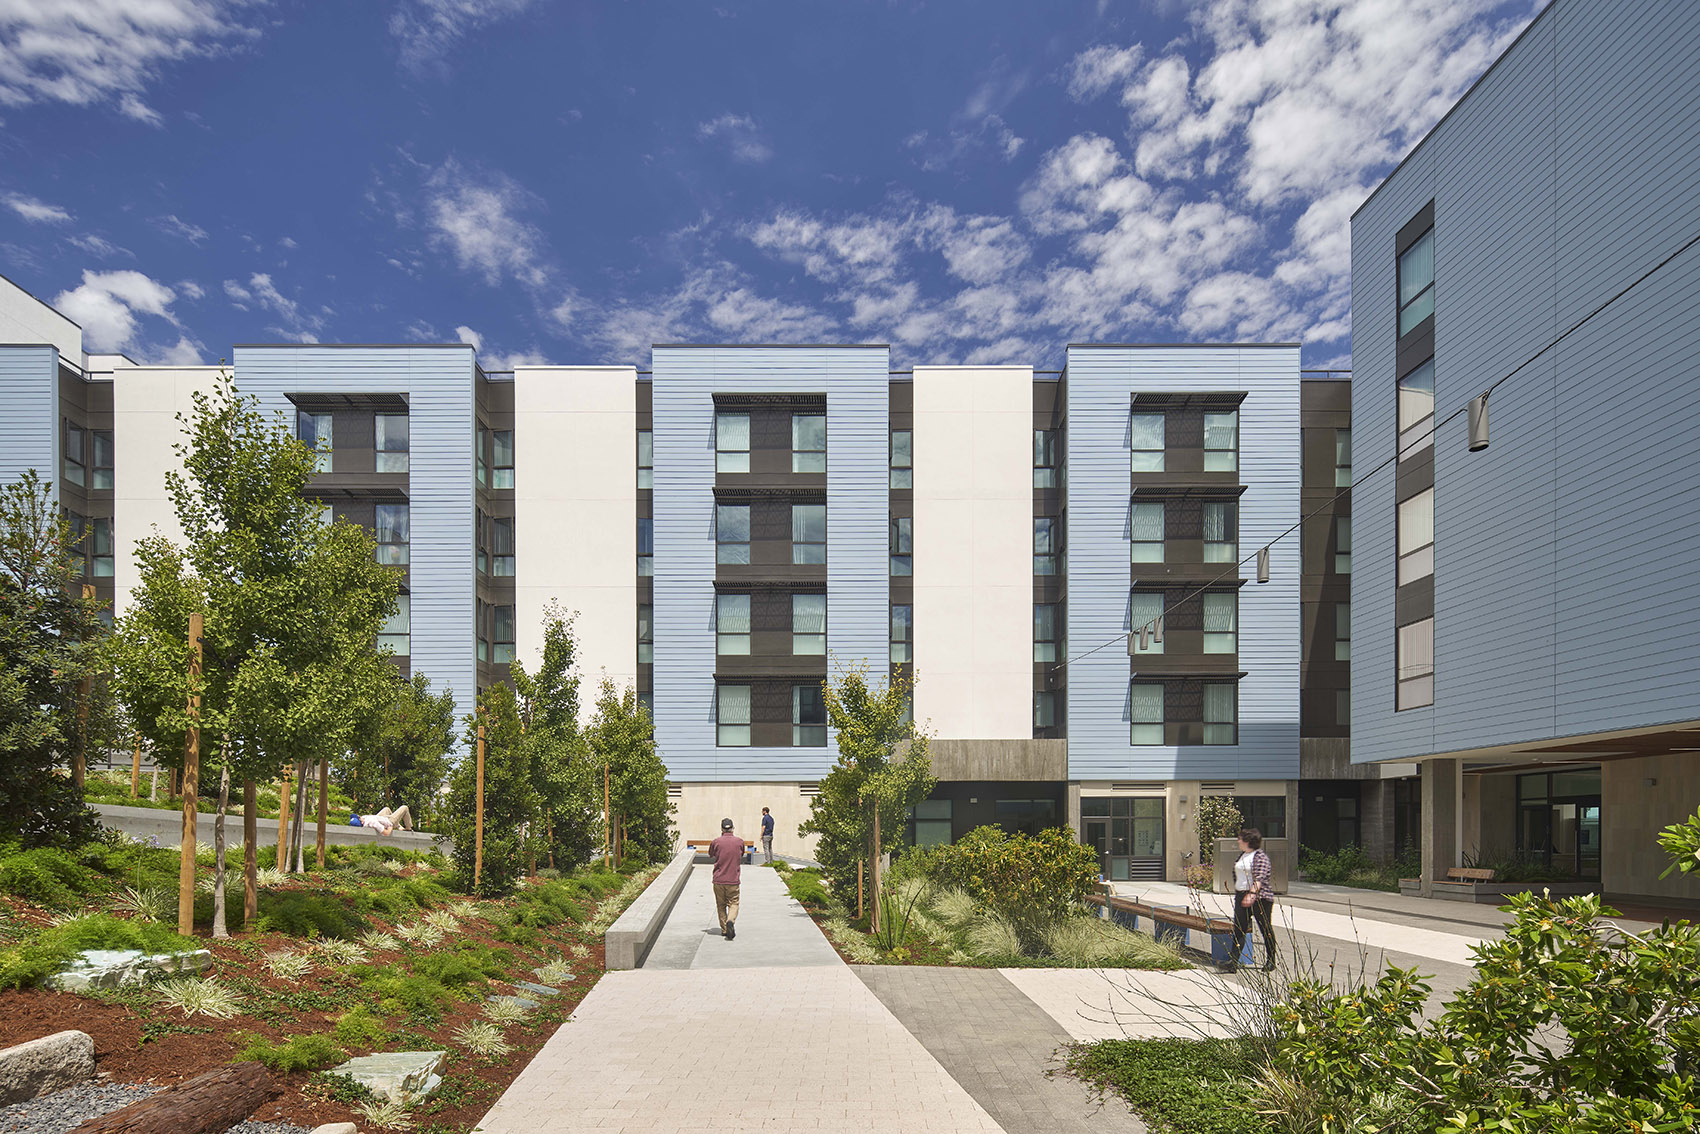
[26,319]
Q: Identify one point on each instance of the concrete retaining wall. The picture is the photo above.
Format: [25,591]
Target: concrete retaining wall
[628,940]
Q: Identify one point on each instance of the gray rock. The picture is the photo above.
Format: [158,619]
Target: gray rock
[50,1063]
[337,1128]
[110,968]
[404,1077]
[521,1001]
[536,989]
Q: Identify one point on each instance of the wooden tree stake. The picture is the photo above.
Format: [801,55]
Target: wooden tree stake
[478,811]
[283,820]
[136,769]
[250,851]
[324,804]
[191,775]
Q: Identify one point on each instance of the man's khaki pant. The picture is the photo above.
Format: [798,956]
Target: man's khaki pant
[726,903]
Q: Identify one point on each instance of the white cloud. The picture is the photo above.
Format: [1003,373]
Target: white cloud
[427,31]
[468,335]
[34,211]
[173,225]
[1097,69]
[741,135]
[107,305]
[98,245]
[261,293]
[478,218]
[184,352]
[189,289]
[92,52]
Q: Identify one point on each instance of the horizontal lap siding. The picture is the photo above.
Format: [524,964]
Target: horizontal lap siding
[1100,384]
[854,381]
[29,415]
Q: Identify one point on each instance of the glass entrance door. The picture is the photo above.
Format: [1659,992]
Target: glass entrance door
[1127,833]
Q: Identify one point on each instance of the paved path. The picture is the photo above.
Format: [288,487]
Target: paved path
[773,930]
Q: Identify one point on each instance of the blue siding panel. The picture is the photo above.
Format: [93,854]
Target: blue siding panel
[29,413]
[1100,384]
[854,380]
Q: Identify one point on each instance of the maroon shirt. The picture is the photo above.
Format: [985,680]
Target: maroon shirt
[727,854]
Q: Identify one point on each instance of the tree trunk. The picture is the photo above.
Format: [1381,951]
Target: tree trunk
[283,822]
[207,1104]
[874,879]
[250,852]
[296,840]
[219,929]
[153,791]
[324,804]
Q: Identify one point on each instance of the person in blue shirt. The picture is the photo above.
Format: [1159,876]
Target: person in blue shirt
[767,834]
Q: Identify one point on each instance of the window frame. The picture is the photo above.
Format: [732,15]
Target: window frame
[1148,550]
[1413,311]
[646,633]
[1154,734]
[1044,709]
[901,546]
[1415,563]
[76,454]
[722,725]
[1342,641]
[806,639]
[725,550]
[1047,634]
[1342,536]
[1413,680]
[1216,457]
[803,459]
[645,546]
[902,475]
[807,552]
[1416,428]
[1232,724]
[1136,608]
[1221,641]
[499,645]
[498,558]
[1343,448]
[907,641]
[1047,555]
[323,444]
[393,558]
[729,459]
[385,457]
[1213,548]
[1045,458]
[501,475]
[810,733]
[388,634]
[646,459]
[727,612]
[101,547]
[101,464]
[1155,459]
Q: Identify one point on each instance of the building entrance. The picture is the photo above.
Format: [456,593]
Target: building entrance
[1558,820]
[1127,833]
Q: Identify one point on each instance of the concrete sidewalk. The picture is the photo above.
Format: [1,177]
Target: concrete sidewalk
[773,930]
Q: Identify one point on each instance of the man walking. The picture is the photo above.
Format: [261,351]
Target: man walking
[727,854]
[767,834]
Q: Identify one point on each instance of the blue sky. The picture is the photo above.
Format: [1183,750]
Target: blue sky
[570,182]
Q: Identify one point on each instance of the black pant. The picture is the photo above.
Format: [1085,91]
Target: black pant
[1263,910]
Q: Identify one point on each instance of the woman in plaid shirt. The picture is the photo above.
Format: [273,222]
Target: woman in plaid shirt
[1254,897]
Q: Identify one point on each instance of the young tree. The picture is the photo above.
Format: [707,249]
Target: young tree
[48,645]
[509,799]
[883,769]
[568,794]
[622,740]
[401,755]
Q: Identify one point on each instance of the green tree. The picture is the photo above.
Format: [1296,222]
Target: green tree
[568,793]
[1218,818]
[402,753]
[510,802]
[48,644]
[622,738]
[883,768]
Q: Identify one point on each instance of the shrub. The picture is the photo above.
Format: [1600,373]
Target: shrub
[955,906]
[359,1028]
[30,961]
[548,903]
[1345,865]
[470,964]
[1086,941]
[385,1114]
[1028,880]
[808,888]
[991,936]
[46,876]
[152,904]
[299,913]
[297,1053]
[200,997]
[481,1037]
[289,966]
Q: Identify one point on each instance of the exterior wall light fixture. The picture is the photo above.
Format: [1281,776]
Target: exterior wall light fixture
[1478,414]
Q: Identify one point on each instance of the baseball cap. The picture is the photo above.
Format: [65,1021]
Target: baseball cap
[726,824]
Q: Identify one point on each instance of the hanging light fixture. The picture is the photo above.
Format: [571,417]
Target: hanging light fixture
[1478,414]
[1145,636]
[1157,632]
[1263,566]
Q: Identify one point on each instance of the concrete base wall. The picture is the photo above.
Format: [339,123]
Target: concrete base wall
[1633,812]
[700,807]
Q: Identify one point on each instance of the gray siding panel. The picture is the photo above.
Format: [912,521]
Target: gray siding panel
[439,384]
[1563,560]
[1101,381]
[29,413]
[854,380]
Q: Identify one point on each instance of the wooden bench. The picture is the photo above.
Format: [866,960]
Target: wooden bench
[701,847]
[1173,924]
[1469,874]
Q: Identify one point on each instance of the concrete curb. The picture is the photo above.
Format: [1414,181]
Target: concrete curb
[628,940]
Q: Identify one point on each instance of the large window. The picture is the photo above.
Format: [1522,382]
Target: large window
[501,634]
[390,439]
[646,634]
[1343,707]
[1144,609]
[1221,622]
[1416,537]
[1047,541]
[76,454]
[1342,545]
[646,459]
[808,624]
[645,546]
[481,456]
[902,634]
[1044,458]
[732,716]
[1222,441]
[1146,703]
[1342,631]
[731,533]
[502,459]
[1221,713]
[1045,632]
[100,547]
[1342,458]
[902,459]
[1416,410]
[314,431]
[1222,532]
[1416,664]
[397,632]
[808,533]
[932,823]
[1147,526]
[808,717]
[1268,813]
[1044,709]
[731,442]
[1416,282]
[100,457]
[808,442]
[390,526]
[732,624]
[902,550]
[481,623]
[502,546]
[1149,432]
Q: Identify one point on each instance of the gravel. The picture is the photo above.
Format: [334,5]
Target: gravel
[65,1110]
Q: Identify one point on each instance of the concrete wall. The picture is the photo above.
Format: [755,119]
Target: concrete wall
[973,450]
[1633,812]
[701,806]
[1025,760]
[575,506]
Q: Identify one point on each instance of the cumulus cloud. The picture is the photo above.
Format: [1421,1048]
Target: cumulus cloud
[427,31]
[468,335]
[741,136]
[110,306]
[480,218]
[34,211]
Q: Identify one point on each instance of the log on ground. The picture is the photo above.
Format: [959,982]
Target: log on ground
[207,1104]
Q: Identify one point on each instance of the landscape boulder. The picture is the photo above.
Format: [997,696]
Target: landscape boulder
[111,968]
[44,1065]
[403,1077]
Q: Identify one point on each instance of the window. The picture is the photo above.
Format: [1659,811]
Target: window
[902,634]
[481,522]
[1147,712]
[1147,527]
[502,546]
[397,629]
[1149,433]
[1342,545]
[1144,609]
[646,546]
[1416,410]
[1222,441]
[1045,632]
[1343,707]
[1268,813]
[1044,709]
[1342,458]
[808,624]
[1221,622]
[502,458]
[1416,282]
[732,716]
[731,533]
[100,547]
[902,545]
[732,444]
[100,470]
[1045,545]
[79,545]
[1416,664]
[76,457]
[482,623]
[314,431]
[390,439]
[646,634]
[1416,537]
[1342,631]
[480,456]
[902,459]
[646,459]
[808,442]
[646,702]
[1222,532]
[391,527]
[1044,458]
[808,717]
[502,634]
[1221,713]
[932,823]
[808,533]
[732,625]
[327,514]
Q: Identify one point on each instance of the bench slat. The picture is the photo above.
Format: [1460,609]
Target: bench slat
[1468,874]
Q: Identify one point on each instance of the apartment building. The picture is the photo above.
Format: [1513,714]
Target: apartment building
[1522,613]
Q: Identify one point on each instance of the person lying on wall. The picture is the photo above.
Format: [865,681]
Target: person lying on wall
[385,821]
